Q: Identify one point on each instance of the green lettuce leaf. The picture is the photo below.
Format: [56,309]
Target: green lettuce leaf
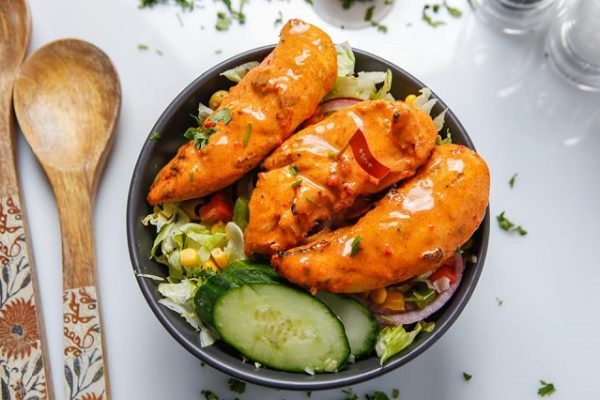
[345,59]
[237,73]
[393,339]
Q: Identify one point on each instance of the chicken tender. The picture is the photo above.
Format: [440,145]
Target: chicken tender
[321,170]
[265,107]
[411,231]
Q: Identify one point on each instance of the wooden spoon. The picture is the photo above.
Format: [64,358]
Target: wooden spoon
[67,98]
[25,371]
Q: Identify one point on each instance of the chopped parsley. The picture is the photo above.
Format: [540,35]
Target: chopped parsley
[377,396]
[184,4]
[395,393]
[369,13]
[223,21]
[350,395]
[428,19]
[294,170]
[546,389]
[142,47]
[512,181]
[297,183]
[332,154]
[199,135]
[369,18]
[425,15]
[355,245]
[208,395]
[346,4]
[309,393]
[247,135]
[279,19]
[507,225]
[154,136]
[467,377]
[499,301]
[453,11]
[236,386]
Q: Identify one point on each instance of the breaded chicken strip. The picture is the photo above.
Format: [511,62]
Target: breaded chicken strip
[264,109]
[411,231]
[321,170]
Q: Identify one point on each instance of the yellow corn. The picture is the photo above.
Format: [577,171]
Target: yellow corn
[220,257]
[410,99]
[394,301]
[210,264]
[215,100]
[188,257]
[219,227]
[378,296]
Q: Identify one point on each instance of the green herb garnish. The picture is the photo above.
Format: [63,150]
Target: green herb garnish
[222,115]
[467,377]
[369,13]
[427,18]
[499,301]
[223,21]
[455,12]
[294,170]
[236,386]
[208,395]
[350,395]
[512,181]
[199,135]
[509,226]
[142,47]
[297,183]
[395,393]
[547,389]
[279,19]
[154,135]
[355,245]
[377,396]
[247,135]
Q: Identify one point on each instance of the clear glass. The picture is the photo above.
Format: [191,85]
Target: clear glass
[516,16]
[353,17]
[573,45]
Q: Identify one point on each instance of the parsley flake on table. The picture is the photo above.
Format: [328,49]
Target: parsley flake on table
[453,11]
[512,181]
[499,301]
[209,395]
[467,377]
[428,19]
[395,393]
[223,21]
[377,396]
[547,389]
[350,395]
[507,225]
[236,386]
[279,19]
[355,247]
[142,47]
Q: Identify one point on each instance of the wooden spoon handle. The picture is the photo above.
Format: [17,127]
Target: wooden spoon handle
[23,353]
[85,368]
[85,365]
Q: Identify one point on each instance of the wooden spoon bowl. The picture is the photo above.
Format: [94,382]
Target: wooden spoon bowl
[67,98]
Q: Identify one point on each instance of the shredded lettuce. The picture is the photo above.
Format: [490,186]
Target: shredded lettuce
[237,73]
[176,232]
[345,59]
[179,297]
[393,339]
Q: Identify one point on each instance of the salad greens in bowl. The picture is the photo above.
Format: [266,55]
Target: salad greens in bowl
[190,262]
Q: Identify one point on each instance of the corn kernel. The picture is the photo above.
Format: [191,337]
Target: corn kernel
[394,301]
[210,264]
[410,99]
[217,97]
[188,257]
[220,257]
[378,296]
[219,227]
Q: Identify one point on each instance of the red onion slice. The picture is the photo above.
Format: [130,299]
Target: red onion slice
[411,317]
[337,104]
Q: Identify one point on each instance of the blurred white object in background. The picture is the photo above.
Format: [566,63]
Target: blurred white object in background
[356,15]
[573,44]
[516,17]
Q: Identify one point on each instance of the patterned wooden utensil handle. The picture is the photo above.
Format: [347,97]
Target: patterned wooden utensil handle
[24,372]
[83,348]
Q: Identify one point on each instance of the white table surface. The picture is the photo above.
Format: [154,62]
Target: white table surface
[523,118]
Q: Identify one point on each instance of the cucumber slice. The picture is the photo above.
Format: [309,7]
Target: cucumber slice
[237,273]
[281,328]
[360,325]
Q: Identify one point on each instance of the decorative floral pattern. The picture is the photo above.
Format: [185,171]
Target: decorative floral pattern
[84,371]
[22,374]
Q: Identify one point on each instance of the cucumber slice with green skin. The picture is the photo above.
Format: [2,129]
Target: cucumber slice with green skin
[281,328]
[236,274]
[360,325]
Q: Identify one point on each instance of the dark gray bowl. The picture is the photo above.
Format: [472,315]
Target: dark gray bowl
[171,124]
